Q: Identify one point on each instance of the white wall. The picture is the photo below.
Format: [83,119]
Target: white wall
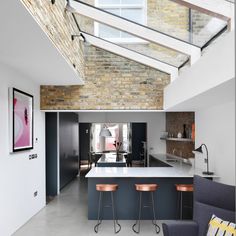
[216,66]
[32,51]
[19,176]
[215,126]
[155,124]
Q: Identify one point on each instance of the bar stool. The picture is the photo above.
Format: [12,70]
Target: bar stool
[181,188]
[107,188]
[151,188]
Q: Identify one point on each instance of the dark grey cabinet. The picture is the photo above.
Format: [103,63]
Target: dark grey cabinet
[69,147]
[84,140]
[62,150]
[51,153]
[139,135]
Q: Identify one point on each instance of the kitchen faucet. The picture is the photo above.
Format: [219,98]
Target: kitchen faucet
[176,151]
[180,153]
[173,151]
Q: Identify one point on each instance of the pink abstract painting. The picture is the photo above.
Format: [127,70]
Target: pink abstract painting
[22,120]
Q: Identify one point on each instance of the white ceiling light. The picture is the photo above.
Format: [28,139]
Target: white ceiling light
[105,132]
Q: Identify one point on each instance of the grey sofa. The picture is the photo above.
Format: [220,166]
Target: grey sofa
[209,198]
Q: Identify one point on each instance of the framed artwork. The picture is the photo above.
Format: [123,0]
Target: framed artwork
[21,121]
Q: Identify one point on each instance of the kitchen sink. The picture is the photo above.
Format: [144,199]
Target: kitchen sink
[171,160]
[154,162]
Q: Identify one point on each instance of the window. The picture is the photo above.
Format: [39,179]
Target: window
[114,129]
[119,133]
[134,10]
[96,144]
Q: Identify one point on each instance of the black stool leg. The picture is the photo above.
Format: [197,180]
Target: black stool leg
[139,215]
[191,205]
[154,222]
[99,221]
[115,221]
[178,206]
[181,205]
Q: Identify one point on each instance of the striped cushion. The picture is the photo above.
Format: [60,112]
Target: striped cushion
[219,227]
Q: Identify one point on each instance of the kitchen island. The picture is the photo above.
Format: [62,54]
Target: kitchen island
[126,198]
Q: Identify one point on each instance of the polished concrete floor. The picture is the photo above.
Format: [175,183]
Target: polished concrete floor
[66,215]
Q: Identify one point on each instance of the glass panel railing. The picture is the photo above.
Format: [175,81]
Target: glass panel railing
[131,42]
[164,16]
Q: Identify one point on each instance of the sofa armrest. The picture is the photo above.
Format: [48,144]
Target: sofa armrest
[180,228]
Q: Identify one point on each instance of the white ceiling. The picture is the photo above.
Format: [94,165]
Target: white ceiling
[24,46]
[220,94]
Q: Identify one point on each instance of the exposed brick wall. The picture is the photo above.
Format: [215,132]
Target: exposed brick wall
[174,124]
[60,97]
[58,25]
[111,82]
[123,84]
[168,17]
[183,149]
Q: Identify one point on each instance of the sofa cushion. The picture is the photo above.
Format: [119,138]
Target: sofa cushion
[204,212]
[212,198]
[220,227]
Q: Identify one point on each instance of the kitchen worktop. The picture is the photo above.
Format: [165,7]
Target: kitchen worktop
[177,169]
[173,170]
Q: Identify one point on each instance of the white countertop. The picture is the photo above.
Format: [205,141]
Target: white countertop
[178,170]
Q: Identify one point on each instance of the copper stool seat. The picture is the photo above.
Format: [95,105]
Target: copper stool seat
[148,188]
[106,188]
[183,188]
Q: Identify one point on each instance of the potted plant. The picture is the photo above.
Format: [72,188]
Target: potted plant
[117,145]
